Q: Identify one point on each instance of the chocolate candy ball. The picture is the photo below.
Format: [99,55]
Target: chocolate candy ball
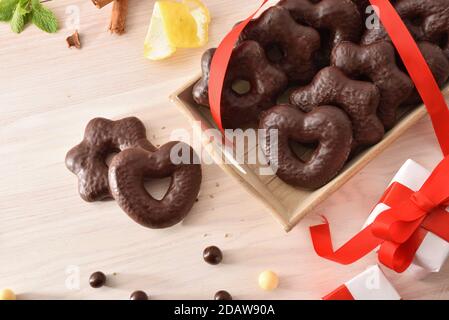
[222,295]
[212,255]
[138,295]
[97,279]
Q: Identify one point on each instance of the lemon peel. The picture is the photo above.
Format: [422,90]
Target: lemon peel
[176,24]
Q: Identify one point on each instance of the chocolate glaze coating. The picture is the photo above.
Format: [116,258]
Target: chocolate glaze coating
[438,64]
[362,5]
[380,34]
[276,29]
[426,21]
[248,63]
[358,99]
[138,295]
[377,62]
[212,255]
[223,296]
[433,17]
[201,88]
[337,21]
[131,167]
[327,125]
[372,35]
[103,137]
[97,279]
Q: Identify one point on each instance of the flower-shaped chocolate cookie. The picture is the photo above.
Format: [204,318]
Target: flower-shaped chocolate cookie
[103,138]
[377,63]
[359,99]
[288,45]
[241,105]
[336,20]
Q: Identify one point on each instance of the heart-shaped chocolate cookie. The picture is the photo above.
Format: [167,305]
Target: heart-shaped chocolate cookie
[328,127]
[131,168]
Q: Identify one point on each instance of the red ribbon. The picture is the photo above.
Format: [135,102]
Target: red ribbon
[418,70]
[219,65]
[341,293]
[404,43]
[400,230]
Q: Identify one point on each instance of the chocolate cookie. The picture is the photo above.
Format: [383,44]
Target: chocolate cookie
[336,20]
[426,20]
[362,5]
[248,65]
[359,99]
[433,18]
[438,64]
[376,62]
[326,125]
[102,138]
[201,88]
[130,168]
[380,34]
[288,45]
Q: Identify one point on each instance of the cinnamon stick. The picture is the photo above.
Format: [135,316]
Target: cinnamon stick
[118,17]
[101,3]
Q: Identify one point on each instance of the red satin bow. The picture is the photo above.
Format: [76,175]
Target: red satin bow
[398,231]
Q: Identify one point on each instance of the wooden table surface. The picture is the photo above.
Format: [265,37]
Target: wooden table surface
[49,236]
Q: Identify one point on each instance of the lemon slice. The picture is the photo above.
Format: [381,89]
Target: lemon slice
[180,25]
[201,15]
[157,45]
[176,24]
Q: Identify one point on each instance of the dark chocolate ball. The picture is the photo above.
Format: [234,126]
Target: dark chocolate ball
[222,295]
[97,279]
[138,295]
[212,255]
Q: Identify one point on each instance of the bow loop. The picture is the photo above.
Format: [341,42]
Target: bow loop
[399,223]
[422,202]
[398,257]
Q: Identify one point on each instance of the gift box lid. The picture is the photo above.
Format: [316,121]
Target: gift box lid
[372,284]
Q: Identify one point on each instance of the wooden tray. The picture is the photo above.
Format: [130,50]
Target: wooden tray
[287,204]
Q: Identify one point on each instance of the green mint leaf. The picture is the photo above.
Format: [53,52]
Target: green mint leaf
[7,8]
[25,4]
[19,19]
[43,18]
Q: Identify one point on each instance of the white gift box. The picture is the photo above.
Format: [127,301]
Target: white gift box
[433,251]
[371,284]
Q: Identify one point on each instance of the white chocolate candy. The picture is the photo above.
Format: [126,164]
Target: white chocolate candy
[7,294]
[268,280]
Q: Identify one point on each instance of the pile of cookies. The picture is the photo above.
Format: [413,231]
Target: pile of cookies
[345,80]
[136,160]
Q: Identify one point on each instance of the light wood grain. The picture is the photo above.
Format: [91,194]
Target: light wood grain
[47,95]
